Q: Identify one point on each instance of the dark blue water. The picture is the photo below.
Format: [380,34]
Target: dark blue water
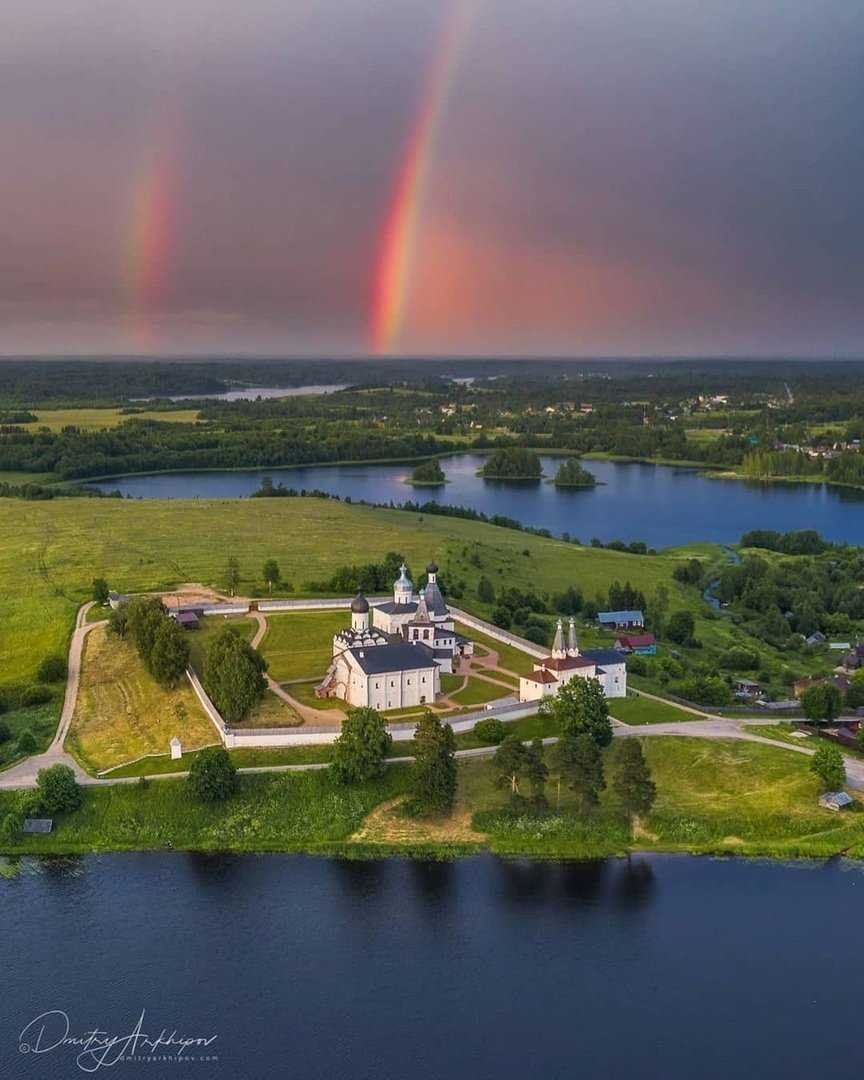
[661,505]
[302,967]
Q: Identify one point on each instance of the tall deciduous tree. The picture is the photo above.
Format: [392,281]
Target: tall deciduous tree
[232,575]
[536,771]
[821,702]
[233,675]
[212,775]
[511,762]
[58,790]
[579,707]
[580,763]
[632,781]
[271,574]
[100,590]
[827,763]
[144,616]
[169,656]
[433,777]
[360,752]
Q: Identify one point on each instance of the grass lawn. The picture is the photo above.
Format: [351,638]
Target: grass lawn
[299,645]
[508,656]
[642,710]
[122,712]
[478,692]
[305,694]
[102,419]
[51,551]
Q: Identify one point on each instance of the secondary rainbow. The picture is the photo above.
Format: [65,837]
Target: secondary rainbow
[149,241]
[398,244]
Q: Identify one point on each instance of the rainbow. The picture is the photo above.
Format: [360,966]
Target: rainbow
[401,226]
[149,240]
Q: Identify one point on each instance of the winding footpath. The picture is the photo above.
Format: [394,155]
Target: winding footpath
[705,726]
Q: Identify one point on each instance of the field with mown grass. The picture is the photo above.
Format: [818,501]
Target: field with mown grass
[122,712]
[714,796]
[51,551]
[299,645]
[643,710]
[103,419]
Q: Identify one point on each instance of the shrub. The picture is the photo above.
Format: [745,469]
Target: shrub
[490,731]
[26,743]
[5,732]
[827,764]
[58,790]
[212,775]
[821,702]
[360,752]
[13,822]
[52,669]
[35,695]
[637,665]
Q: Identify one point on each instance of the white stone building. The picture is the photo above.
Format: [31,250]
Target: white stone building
[566,662]
[392,656]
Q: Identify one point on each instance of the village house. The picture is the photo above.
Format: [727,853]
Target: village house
[566,662]
[641,644]
[621,620]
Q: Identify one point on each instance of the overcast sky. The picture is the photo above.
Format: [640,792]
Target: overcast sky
[610,177]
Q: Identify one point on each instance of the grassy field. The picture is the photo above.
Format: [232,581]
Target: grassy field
[642,710]
[41,720]
[122,712]
[509,657]
[299,645]
[50,552]
[276,812]
[722,796]
[712,797]
[103,419]
[479,692]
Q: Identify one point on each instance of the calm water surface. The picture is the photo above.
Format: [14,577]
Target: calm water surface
[660,505]
[303,967]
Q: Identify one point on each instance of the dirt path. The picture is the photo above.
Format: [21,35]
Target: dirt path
[385,825]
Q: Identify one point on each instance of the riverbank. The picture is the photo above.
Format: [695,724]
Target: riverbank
[714,797]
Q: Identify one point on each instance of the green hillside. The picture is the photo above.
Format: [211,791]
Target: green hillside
[50,552]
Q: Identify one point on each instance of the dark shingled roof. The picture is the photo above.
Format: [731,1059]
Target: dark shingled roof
[360,604]
[392,608]
[434,599]
[381,659]
[605,656]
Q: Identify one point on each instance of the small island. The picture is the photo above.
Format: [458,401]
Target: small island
[573,475]
[428,474]
[513,463]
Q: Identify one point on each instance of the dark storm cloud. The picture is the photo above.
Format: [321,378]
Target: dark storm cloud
[649,176]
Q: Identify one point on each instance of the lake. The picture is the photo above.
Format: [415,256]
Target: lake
[661,505]
[252,393]
[665,966]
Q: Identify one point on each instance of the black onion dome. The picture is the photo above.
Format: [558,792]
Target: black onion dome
[360,605]
[432,568]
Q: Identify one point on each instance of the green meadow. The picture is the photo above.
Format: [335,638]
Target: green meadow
[713,796]
[51,551]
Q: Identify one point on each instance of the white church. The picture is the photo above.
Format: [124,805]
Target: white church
[392,655]
[566,662]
